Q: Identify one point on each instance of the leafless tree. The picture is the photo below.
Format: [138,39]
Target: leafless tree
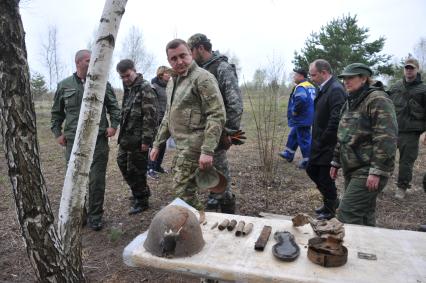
[420,52]
[51,57]
[134,49]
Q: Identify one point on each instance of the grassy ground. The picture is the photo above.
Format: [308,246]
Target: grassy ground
[290,192]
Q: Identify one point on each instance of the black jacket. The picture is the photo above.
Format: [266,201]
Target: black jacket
[328,104]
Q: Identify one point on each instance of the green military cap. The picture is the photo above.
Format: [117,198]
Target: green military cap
[356,69]
[210,179]
[197,39]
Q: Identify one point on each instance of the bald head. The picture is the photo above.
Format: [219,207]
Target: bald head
[320,71]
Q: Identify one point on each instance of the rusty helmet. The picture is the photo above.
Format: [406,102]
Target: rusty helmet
[174,232]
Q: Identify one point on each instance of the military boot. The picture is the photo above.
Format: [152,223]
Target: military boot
[227,205]
[212,202]
[330,212]
[139,206]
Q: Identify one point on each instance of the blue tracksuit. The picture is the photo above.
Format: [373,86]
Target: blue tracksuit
[300,115]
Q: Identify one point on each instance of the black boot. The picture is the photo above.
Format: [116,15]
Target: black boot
[321,209]
[227,204]
[139,206]
[212,202]
[330,212]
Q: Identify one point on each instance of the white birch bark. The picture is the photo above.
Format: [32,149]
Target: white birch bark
[77,176]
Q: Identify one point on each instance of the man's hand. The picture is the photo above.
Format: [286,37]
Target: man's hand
[144,147]
[205,161]
[333,173]
[110,132]
[373,182]
[62,140]
[154,153]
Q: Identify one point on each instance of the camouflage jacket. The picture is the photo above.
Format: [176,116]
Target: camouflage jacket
[67,103]
[228,85]
[367,134]
[195,114]
[138,115]
[410,105]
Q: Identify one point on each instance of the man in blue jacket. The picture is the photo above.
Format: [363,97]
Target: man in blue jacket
[300,115]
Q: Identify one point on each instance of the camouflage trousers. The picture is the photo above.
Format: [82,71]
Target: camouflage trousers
[133,166]
[220,162]
[96,177]
[358,205]
[408,146]
[184,185]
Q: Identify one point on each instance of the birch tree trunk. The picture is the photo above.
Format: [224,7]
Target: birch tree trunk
[77,176]
[18,128]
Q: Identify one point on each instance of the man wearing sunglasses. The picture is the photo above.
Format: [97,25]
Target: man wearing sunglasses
[409,98]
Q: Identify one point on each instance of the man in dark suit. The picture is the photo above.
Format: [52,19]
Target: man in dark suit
[329,101]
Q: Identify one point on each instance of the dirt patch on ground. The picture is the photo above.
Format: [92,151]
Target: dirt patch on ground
[291,192]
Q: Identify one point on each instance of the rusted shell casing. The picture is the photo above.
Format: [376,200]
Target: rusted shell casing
[223,225]
[232,225]
[239,229]
[247,229]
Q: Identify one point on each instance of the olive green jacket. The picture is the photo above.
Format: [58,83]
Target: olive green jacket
[67,103]
[410,105]
[195,113]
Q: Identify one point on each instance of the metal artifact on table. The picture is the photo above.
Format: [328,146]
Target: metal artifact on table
[286,249]
[174,232]
[327,248]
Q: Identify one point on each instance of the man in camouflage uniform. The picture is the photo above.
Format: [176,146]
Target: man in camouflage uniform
[227,79]
[137,131]
[366,145]
[195,117]
[409,98]
[66,108]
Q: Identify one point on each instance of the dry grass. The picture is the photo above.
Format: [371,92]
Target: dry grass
[290,192]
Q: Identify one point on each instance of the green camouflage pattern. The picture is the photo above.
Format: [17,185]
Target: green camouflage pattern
[227,79]
[139,114]
[195,113]
[185,186]
[410,105]
[67,104]
[367,134]
[133,166]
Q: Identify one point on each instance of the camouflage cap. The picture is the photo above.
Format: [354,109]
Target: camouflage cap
[411,62]
[356,69]
[196,39]
[210,179]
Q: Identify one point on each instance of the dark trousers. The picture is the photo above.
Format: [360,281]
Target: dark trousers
[320,175]
[97,176]
[156,165]
[133,166]
[300,136]
[408,146]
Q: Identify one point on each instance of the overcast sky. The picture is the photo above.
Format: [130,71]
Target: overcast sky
[256,31]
